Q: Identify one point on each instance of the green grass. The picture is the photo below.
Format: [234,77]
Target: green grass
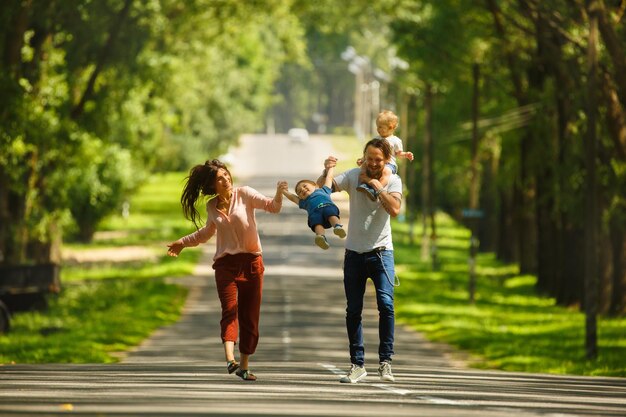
[347,150]
[509,327]
[108,307]
[91,322]
[155,219]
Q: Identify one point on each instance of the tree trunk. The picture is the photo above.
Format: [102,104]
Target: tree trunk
[5,217]
[571,291]
[524,209]
[615,117]
[614,47]
[15,38]
[474,185]
[548,179]
[617,231]
[411,128]
[591,191]
[427,173]
[489,224]
[507,234]
[523,189]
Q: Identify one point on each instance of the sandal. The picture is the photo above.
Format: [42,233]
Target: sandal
[232,366]
[246,375]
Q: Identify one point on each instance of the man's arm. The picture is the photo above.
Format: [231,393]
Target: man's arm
[390,201]
[330,162]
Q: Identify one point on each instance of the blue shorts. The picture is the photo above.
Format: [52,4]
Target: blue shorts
[320,216]
[392,167]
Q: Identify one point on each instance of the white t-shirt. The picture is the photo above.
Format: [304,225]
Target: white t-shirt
[370,225]
[396,146]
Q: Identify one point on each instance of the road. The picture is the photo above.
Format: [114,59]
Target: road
[180,371]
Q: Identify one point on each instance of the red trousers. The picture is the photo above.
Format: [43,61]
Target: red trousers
[239,281]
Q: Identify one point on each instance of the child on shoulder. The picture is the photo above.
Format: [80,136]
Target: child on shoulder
[322,212]
[386,124]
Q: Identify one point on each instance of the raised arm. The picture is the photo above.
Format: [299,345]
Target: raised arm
[329,177]
[330,162]
[281,187]
[407,155]
[292,197]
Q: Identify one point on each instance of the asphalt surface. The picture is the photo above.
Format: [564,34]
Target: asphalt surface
[180,370]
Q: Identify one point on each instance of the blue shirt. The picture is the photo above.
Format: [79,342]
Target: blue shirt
[318,198]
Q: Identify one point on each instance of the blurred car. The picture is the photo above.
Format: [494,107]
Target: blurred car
[298,135]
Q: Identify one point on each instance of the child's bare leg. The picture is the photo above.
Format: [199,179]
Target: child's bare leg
[337,227]
[333,220]
[320,239]
[384,179]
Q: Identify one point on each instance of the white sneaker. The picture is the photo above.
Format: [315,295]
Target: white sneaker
[384,371]
[356,374]
[320,240]
[338,230]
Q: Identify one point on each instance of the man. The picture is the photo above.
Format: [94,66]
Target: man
[369,253]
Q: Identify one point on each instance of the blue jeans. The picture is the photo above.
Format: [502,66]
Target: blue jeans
[379,266]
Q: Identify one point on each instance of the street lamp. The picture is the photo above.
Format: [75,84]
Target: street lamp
[367,91]
[359,66]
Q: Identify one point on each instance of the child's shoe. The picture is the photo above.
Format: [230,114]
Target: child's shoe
[338,230]
[320,240]
[369,192]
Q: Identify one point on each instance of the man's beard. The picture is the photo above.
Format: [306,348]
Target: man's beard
[374,174]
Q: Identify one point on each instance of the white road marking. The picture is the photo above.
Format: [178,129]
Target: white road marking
[398,391]
[441,401]
[332,368]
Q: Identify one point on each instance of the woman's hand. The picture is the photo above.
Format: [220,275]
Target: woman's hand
[281,187]
[175,248]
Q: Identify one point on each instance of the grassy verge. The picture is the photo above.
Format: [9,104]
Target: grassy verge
[91,322]
[347,150]
[107,307]
[509,327]
[155,219]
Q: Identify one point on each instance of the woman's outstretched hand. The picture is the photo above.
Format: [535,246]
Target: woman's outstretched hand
[281,187]
[175,248]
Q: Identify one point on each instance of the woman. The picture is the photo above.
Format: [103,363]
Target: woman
[238,263]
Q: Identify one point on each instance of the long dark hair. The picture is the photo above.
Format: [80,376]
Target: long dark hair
[201,180]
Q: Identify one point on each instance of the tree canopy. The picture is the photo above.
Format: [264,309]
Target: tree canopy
[94,96]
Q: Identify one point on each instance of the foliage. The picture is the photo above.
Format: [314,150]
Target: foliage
[100,188]
[97,90]
[106,307]
[90,322]
[533,114]
[509,327]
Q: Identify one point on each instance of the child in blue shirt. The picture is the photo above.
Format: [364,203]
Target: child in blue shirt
[322,212]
